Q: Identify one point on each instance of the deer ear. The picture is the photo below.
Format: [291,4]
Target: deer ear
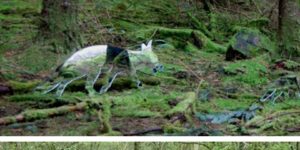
[143,47]
[149,45]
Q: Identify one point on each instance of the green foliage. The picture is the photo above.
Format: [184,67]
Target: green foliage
[146,103]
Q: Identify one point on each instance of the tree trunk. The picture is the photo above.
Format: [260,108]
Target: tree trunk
[59,25]
[281,14]
[289,28]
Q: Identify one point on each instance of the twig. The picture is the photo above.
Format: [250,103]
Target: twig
[154,33]
[259,10]
[159,129]
[296,129]
[190,70]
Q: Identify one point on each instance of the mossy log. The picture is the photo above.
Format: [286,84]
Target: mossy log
[22,87]
[104,116]
[31,115]
[119,84]
[185,106]
[46,98]
[32,97]
[199,39]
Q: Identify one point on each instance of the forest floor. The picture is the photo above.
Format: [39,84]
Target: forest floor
[199,92]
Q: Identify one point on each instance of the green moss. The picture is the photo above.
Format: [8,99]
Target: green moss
[142,103]
[291,65]
[252,72]
[190,47]
[285,105]
[179,36]
[223,105]
[23,87]
[259,22]
[140,113]
[32,97]
[19,6]
[275,124]
[105,115]
[30,115]
[119,84]
[262,42]
[38,97]
[173,128]
[187,105]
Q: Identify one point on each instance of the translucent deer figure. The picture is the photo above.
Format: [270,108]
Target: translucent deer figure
[90,62]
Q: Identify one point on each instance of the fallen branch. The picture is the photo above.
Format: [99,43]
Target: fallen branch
[262,120]
[188,104]
[31,115]
[296,129]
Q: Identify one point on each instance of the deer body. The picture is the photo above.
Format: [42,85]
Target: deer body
[90,62]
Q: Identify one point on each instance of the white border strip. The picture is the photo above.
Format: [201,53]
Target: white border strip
[149,139]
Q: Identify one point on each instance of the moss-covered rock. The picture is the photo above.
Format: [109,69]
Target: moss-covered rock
[248,43]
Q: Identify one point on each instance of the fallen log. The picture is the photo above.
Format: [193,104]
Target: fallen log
[22,87]
[119,84]
[31,115]
[199,38]
[200,26]
[32,97]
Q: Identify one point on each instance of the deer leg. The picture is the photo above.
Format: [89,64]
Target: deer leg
[52,88]
[90,82]
[64,84]
[135,78]
[109,80]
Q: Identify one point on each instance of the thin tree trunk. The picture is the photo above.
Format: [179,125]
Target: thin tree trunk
[281,15]
[289,28]
[59,25]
